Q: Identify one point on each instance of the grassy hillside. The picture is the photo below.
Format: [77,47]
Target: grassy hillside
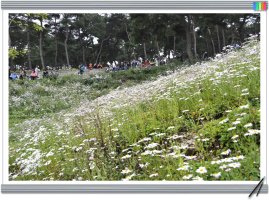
[201,123]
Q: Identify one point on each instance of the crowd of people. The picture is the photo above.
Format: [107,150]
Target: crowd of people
[32,75]
[110,66]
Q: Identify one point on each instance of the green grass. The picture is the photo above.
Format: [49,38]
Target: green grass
[204,129]
[34,99]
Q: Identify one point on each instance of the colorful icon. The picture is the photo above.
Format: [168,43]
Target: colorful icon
[260,6]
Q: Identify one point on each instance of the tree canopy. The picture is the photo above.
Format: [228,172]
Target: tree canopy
[72,39]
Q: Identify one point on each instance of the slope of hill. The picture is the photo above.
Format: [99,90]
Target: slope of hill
[200,122]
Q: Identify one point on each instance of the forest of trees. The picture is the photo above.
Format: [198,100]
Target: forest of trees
[72,39]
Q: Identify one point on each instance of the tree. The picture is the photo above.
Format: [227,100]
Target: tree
[40,28]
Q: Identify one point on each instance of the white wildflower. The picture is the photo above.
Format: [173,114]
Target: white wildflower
[153,175]
[152,145]
[125,157]
[224,121]
[47,163]
[234,165]
[252,132]
[157,151]
[129,177]
[183,168]
[232,128]
[147,152]
[223,167]
[227,152]
[144,140]
[243,114]
[143,165]
[184,111]
[201,170]
[236,122]
[187,177]
[49,154]
[170,128]
[235,137]
[190,157]
[248,125]
[244,106]
[92,165]
[126,171]
[216,175]
[197,178]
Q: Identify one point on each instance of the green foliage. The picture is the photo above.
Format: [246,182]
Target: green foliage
[207,128]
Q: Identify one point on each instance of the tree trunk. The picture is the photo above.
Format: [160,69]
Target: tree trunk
[212,41]
[232,38]
[83,55]
[145,52]
[188,40]
[130,41]
[41,49]
[194,39]
[56,53]
[56,43]
[241,29]
[223,37]
[100,50]
[219,45]
[174,45]
[41,44]
[158,48]
[66,50]
[207,46]
[194,44]
[29,49]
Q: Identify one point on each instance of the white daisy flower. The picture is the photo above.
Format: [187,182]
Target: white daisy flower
[226,152]
[244,106]
[152,145]
[234,165]
[187,177]
[184,111]
[232,128]
[170,127]
[235,137]
[49,154]
[201,170]
[236,122]
[248,125]
[126,171]
[125,157]
[153,175]
[92,165]
[216,175]
[197,178]
[224,121]
[183,168]
[147,152]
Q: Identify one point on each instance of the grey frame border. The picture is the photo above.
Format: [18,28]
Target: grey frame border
[131,188]
[128,5]
[131,5]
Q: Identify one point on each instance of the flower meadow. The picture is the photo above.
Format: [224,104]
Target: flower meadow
[195,123]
